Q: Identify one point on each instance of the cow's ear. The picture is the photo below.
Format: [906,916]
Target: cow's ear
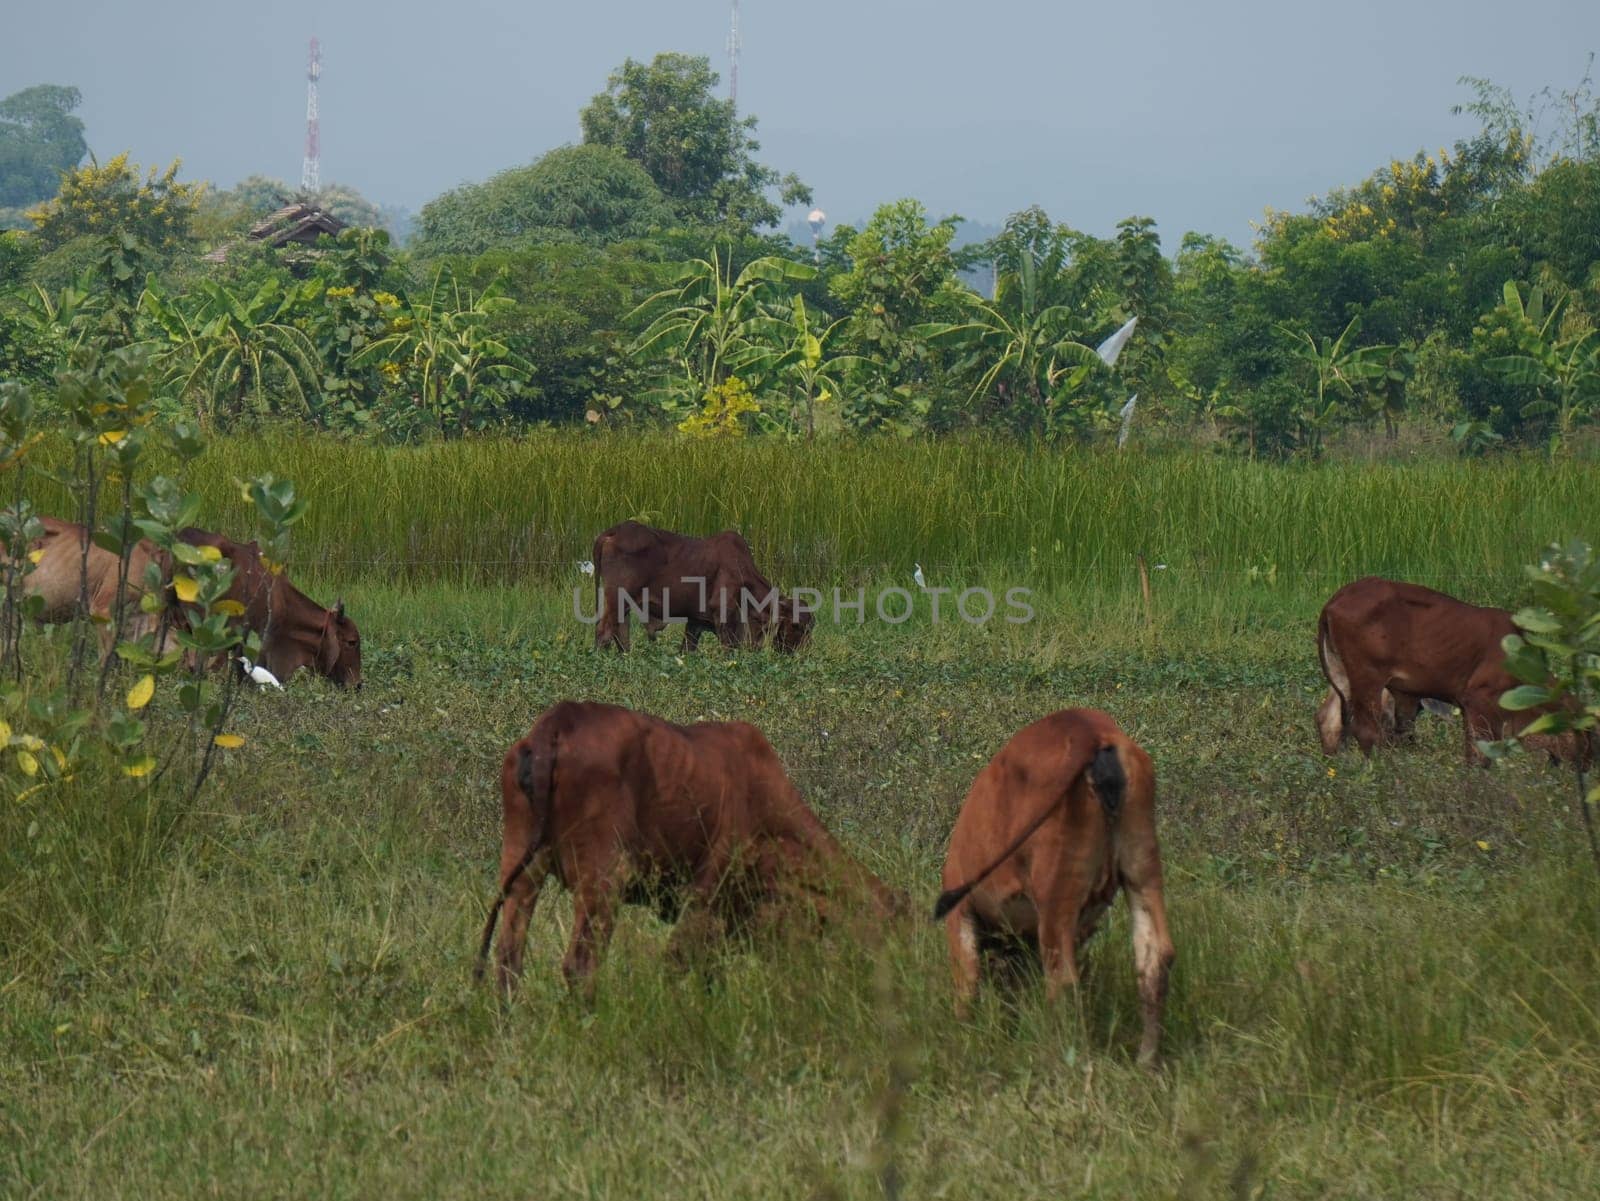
[338,608]
[328,648]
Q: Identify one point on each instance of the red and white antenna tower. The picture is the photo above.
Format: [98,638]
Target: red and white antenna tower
[311,169]
[734,46]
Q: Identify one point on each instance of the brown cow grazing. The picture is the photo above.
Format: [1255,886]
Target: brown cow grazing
[622,806]
[295,631]
[1055,824]
[58,577]
[1386,647]
[706,583]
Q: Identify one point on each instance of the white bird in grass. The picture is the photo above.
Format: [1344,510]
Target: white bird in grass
[260,674]
[1127,419]
[586,566]
[1112,346]
[918,577]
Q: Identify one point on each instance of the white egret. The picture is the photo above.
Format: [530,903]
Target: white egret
[586,566]
[1112,346]
[1127,419]
[918,576]
[260,674]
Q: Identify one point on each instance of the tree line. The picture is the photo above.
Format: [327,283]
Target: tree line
[637,278]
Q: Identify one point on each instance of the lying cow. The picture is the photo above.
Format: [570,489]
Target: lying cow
[707,583]
[1056,823]
[57,576]
[622,806]
[1386,648]
[295,631]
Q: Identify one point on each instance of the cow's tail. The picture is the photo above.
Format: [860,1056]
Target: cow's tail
[1332,665]
[1110,780]
[535,778]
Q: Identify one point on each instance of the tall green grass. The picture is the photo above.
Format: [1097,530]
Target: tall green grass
[503,511]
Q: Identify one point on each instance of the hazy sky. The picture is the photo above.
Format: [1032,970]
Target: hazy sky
[1195,112]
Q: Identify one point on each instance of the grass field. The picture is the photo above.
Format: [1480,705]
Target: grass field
[1387,974]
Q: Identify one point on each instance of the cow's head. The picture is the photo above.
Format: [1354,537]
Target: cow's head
[792,630]
[339,652]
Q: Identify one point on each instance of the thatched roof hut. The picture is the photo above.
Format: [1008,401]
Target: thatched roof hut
[297,223]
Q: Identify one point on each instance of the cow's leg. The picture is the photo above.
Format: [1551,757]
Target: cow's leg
[1153,954]
[691,635]
[1366,711]
[612,626]
[702,921]
[966,961]
[520,900]
[1403,709]
[1481,717]
[1058,939]
[594,911]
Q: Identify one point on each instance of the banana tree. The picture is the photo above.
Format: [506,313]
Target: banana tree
[1335,370]
[1565,370]
[1030,355]
[464,372]
[710,323]
[230,348]
[798,357]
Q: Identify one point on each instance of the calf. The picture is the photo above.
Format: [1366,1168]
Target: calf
[622,806]
[1386,647]
[1056,823]
[709,584]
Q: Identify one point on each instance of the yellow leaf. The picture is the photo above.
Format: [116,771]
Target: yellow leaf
[28,764]
[61,757]
[140,767]
[1482,846]
[229,741]
[39,787]
[209,553]
[139,695]
[231,607]
[5,733]
[186,587]
[35,555]
[112,437]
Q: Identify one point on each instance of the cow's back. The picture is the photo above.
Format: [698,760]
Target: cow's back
[1417,639]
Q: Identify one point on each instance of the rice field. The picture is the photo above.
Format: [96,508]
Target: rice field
[1387,972]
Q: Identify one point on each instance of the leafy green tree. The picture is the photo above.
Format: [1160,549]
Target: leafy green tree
[592,194]
[568,316]
[1144,289]
[902,275]
[665,116]
[112,198]
[1557,220]
[39,139]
